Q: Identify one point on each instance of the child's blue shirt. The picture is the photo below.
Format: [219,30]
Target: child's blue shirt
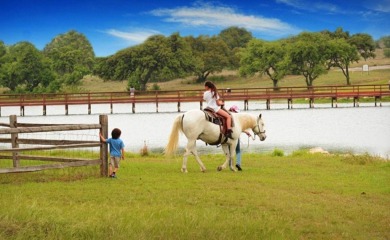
[115,146]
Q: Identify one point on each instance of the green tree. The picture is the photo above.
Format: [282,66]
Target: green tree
[117,67]
[235,38]
[265,58]
[338,33]
[386,52]
[364,43]
[307,55]
[159,58]
[102,68]
[210,55]
[3,49]
[385,41]
[341,54]
[72,56]
[26,69]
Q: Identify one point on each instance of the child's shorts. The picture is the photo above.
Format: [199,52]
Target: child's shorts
[114,161]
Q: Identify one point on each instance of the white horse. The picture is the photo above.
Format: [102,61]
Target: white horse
[195,126]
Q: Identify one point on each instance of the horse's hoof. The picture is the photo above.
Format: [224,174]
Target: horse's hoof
[184,170]
[232,169]
[203,171]
[219,168]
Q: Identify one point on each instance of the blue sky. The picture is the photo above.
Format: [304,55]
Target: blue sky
[112,25]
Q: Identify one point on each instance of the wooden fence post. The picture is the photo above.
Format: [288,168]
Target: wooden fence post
[103,120]
[14,140]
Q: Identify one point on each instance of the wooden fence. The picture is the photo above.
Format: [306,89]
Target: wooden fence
[14,153]
[181,96]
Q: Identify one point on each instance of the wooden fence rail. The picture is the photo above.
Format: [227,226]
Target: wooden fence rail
[180,96]
[14,128]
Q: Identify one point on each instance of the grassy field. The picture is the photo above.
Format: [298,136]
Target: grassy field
[299,196]
[230,79]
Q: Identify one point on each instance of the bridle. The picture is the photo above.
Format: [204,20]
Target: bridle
[259,132]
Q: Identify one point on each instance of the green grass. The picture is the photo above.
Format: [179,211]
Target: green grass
[276,196]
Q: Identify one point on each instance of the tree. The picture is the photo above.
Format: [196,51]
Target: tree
[235,38]
[385,41]
[210,55]
[338,33]
[159,58]
[364,43]
[117,67]
[25,68]
[3,49]
[307,55]
[265,58]
[181,64]
[341,54]
[102,68]
[72,56]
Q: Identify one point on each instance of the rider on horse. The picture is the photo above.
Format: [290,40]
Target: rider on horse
[214,102]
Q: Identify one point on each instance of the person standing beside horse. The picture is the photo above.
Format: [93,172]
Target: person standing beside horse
[235,109]
[214,102]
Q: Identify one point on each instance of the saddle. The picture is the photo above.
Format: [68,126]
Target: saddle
[219,120]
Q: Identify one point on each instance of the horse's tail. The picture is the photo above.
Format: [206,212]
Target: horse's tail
[174,136]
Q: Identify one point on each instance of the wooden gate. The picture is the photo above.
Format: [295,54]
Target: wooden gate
[12,130]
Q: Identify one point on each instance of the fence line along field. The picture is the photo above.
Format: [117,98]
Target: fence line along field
[287,94]
[38,146]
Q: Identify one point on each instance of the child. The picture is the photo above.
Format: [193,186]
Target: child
[117,151]
[212,99]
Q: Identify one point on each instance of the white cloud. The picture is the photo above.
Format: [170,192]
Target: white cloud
[209,15]
[381,6]
[133,37]
[312,6]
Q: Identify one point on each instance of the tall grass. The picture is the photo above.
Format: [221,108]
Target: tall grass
[297,196]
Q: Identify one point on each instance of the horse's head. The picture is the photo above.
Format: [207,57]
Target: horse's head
[259,128]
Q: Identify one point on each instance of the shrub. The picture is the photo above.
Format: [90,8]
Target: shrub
[144,150]
[362,159]
[278,153]
[386,52]
[156,87]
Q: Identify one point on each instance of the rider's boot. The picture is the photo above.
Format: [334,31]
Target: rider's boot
[229,133]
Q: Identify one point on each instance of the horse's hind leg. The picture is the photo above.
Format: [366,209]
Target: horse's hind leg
[184,165]
[191,149]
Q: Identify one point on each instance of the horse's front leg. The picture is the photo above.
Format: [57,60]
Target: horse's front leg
[232,150]
[228,158]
